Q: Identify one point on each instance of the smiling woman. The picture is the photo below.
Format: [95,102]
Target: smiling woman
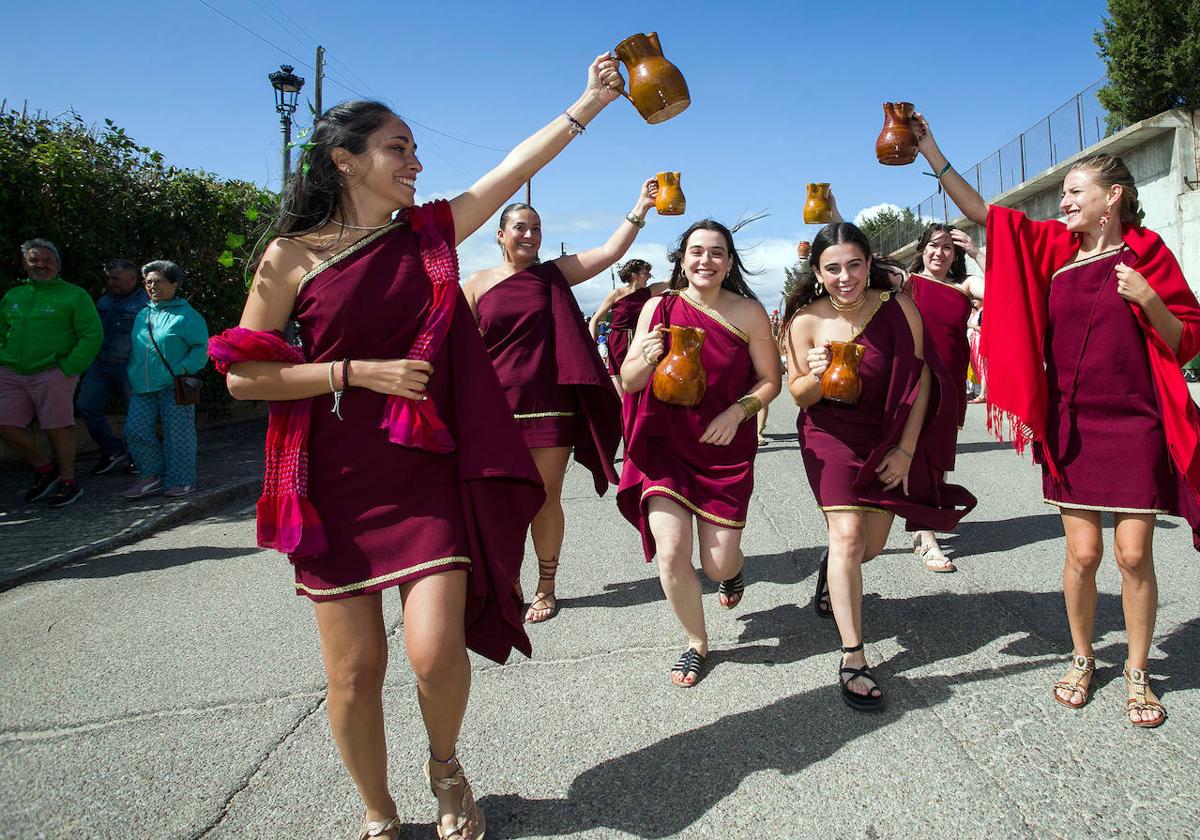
[392,457]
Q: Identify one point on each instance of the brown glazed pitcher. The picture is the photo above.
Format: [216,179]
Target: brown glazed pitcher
[670,200]
[679,378]
[803,247]
[897,143]
[816,208]
[840,381]
[656,87]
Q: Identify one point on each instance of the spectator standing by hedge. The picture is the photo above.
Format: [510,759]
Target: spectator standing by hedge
[49,334]
[108,374]
[170,339]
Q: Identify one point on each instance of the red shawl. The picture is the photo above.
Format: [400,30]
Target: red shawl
[1022,256]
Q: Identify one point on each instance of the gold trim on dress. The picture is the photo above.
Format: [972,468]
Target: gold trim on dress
[1087,260]
[954,286]
[883,298]
[363,584]
[867,508]
[1105,508]
[535,415]
[715,315]
[338,257]
[711,517]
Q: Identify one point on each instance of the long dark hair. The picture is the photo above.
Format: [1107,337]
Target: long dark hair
[630,268]
[958,266]
[735,281]
[809,288]
[314,195]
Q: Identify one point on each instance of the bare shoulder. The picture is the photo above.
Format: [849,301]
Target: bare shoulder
[748,315]
[483,280]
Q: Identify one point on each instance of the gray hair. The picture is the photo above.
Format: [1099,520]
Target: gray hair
[44,244]
[167,268]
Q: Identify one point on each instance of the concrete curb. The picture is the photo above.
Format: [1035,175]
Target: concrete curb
[196,507]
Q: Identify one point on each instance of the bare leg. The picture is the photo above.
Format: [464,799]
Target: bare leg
[547,528]
[762,425]
[1134,545]
[848,530]
[720,550]
[434,635]
[671,526]
[63,441]
[22,441]
[354,647]
[1085,548]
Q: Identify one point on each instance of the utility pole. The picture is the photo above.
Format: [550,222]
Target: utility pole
[320,77]
[529,192]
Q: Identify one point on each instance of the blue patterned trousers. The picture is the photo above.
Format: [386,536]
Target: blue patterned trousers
[174,457]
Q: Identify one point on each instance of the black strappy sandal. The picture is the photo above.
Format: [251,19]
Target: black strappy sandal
[871,702]
[729,592]
[691,662]
[823,589]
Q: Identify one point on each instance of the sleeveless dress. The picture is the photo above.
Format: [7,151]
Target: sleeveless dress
[625,314]
[664,454]
[945,310]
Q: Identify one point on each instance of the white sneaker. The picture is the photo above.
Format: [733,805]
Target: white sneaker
[144,487]
[178,490]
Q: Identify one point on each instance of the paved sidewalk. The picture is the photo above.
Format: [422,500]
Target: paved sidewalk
[173,688]
[37,537]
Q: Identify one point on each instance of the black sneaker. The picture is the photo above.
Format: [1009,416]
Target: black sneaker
[108,463]
[43,483]
[67,492]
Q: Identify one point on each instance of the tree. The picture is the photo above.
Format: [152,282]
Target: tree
[889,229]
[1152,48]
[792,277]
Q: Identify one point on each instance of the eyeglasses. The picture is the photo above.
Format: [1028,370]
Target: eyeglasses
[158,282]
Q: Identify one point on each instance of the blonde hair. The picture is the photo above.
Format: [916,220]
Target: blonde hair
[1110,170]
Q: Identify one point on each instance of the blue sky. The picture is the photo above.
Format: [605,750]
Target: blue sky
[782,94]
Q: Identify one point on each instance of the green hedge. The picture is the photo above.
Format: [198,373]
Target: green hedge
[97,194]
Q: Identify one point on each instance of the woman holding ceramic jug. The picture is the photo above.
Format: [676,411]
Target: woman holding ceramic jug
[864,442]
[551,371]
[692,442]
[1089,321]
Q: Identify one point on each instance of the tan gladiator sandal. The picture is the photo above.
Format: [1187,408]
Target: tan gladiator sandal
[1142,699]
[469,824]
[1082,667]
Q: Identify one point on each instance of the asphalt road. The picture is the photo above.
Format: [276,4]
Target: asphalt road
[172,688]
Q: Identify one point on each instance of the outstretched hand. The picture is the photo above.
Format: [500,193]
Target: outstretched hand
[648,195]
[604,78]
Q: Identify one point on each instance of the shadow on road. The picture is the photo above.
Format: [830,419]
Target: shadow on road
[143,560]
[651,793]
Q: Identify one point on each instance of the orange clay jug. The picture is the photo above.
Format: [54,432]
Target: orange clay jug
[840,382]
[656,87]
[802,249]
[897,143]
[679,378]
[816,208]
[670,200]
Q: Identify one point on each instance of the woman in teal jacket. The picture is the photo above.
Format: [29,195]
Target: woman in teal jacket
[182,338]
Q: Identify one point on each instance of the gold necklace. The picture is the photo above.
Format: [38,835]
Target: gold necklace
[848,307]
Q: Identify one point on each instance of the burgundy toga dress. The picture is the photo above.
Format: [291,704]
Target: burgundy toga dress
[1103,410]
[393,513]
[842,444]
[664,454]
[625,313]
[945,309]
[551,371]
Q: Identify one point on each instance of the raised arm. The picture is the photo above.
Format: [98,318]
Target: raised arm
[488,194]
[962,193]
[585,265]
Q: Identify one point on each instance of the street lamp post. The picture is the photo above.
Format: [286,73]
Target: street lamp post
[287,91]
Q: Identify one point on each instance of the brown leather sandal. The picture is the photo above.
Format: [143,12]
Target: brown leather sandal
[543,602]
[469,823]
[1082,667]
[1142,699]
[380,828]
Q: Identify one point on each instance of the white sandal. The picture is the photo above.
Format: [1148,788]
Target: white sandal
[935,560]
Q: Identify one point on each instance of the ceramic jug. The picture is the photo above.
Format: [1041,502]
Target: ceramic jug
[802,249]
[816,208]
[670,200]
[679,378]
[897,143]
[840,381]
[656,87]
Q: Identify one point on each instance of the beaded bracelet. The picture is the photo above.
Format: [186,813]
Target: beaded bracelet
[576,126]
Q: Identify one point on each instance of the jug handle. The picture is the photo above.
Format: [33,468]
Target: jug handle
[622,91]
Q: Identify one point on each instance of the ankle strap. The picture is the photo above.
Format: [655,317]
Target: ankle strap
[854,649]
[452,760]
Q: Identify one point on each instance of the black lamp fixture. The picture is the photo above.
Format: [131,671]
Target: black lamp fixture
[287,93]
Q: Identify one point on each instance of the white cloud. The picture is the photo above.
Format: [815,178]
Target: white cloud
[868,213]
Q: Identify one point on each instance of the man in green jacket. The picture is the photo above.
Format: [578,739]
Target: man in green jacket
[49,334]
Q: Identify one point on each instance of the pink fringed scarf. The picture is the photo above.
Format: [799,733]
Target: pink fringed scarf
[287,521]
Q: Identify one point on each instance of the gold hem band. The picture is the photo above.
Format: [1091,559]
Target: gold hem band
[711,517]
[1105,508]
[866,508]
[537,414]
[390,576]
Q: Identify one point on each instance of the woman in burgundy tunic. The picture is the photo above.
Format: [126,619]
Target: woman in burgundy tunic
[873,460]
[549,366]
[943,292]
[626,305]
[423,482]
[684,464]
[1088,324]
